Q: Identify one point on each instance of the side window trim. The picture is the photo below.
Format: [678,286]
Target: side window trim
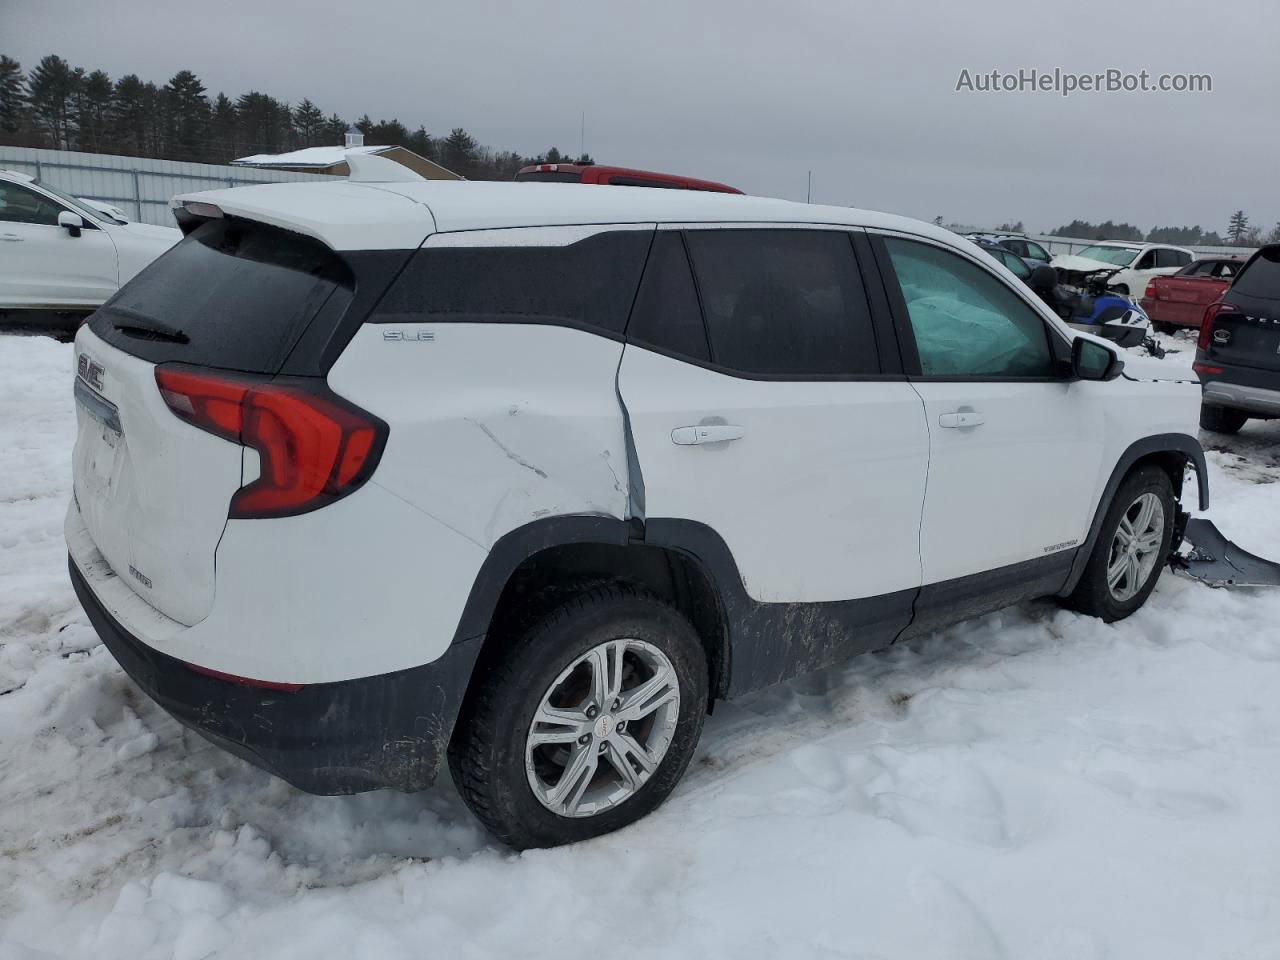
[1059,342]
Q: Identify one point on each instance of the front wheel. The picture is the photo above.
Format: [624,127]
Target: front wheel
[585,723]
[1131,548]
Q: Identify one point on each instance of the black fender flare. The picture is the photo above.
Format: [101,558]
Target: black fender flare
[1179,443]
[515,547]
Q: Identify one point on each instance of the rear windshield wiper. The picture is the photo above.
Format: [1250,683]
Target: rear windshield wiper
[137,324]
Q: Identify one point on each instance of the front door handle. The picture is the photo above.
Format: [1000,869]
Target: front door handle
[961,418]
[11,237]
[706,433]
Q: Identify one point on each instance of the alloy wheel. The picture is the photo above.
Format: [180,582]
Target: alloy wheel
[602,728]
[1135,549]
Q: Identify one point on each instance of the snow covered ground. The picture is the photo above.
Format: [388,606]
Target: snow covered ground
[1032,785]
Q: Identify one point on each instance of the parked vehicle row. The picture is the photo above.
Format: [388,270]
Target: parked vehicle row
[1238,351]
[66,254]
[1179,300]
[529,475]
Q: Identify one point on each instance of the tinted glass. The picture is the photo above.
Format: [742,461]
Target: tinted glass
[552,176]
[666,314]
[1017,266]
[1171,258]
[1261,278]
[1200,268]
[784,302]
[20,205]
[1036,252]
[590,283]
[1182,257]
[241,292]
[966,321]
[1227,269]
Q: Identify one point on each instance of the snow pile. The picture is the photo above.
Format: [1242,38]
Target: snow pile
[1032,785]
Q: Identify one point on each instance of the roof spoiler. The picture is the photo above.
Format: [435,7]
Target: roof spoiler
[370,168]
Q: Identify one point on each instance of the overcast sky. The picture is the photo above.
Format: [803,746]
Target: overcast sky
[757,94]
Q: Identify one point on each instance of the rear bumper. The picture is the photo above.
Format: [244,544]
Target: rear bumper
[1241,389]
[389,731]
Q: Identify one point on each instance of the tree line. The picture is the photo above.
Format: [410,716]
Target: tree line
[62,107]
[1240,233]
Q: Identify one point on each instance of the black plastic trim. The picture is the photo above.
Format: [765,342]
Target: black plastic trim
[770,642]
[513,548]
[372,733]
[950,601]
[1179,443]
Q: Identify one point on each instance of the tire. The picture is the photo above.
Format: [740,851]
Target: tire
[1121,288]
[1221,419]
[1096,594]
[493,764]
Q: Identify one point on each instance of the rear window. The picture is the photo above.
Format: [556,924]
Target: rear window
[552,176]
[240,293]
[1261,278]
[588,284]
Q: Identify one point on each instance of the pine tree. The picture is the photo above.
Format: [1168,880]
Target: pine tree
[420,142]
[13,100]
[93,113]
[51,89]
[387,133]
[1238,228]
[308,124]
[334,131]
[188,109]
[130,107]
[458,152]
[223,141]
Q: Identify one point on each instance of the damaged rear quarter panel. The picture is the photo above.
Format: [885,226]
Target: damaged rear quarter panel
[493,425]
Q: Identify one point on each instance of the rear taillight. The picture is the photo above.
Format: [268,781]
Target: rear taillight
[313,446]
[1150,293]
[1211,313]
[1205,368]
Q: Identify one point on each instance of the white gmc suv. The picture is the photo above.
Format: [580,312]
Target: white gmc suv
[529,475]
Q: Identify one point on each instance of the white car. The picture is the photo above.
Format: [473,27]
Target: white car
[61,253]
[529,475]
[1135,263]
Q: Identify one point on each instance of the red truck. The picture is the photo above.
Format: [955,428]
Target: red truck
[618,176]
[1179,299]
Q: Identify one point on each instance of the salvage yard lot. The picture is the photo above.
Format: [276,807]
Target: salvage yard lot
[1033,785]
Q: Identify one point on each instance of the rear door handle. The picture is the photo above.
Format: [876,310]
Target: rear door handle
[961,418]
[11,237]
[706,433]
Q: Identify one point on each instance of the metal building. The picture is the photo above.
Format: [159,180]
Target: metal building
[139,186]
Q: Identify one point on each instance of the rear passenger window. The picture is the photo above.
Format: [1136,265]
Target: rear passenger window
[784,302]
[666,314]
[966,322]
[1171,258]
[589,284]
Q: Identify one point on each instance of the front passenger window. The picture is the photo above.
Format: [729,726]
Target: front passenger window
[966,322]
[20,205]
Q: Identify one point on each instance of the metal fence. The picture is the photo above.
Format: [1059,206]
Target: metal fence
[140,186]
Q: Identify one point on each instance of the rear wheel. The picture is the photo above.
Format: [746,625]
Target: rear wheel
[1131,548]
[1221,419]
[585,723]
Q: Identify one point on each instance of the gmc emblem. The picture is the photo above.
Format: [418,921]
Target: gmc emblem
[90,371]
